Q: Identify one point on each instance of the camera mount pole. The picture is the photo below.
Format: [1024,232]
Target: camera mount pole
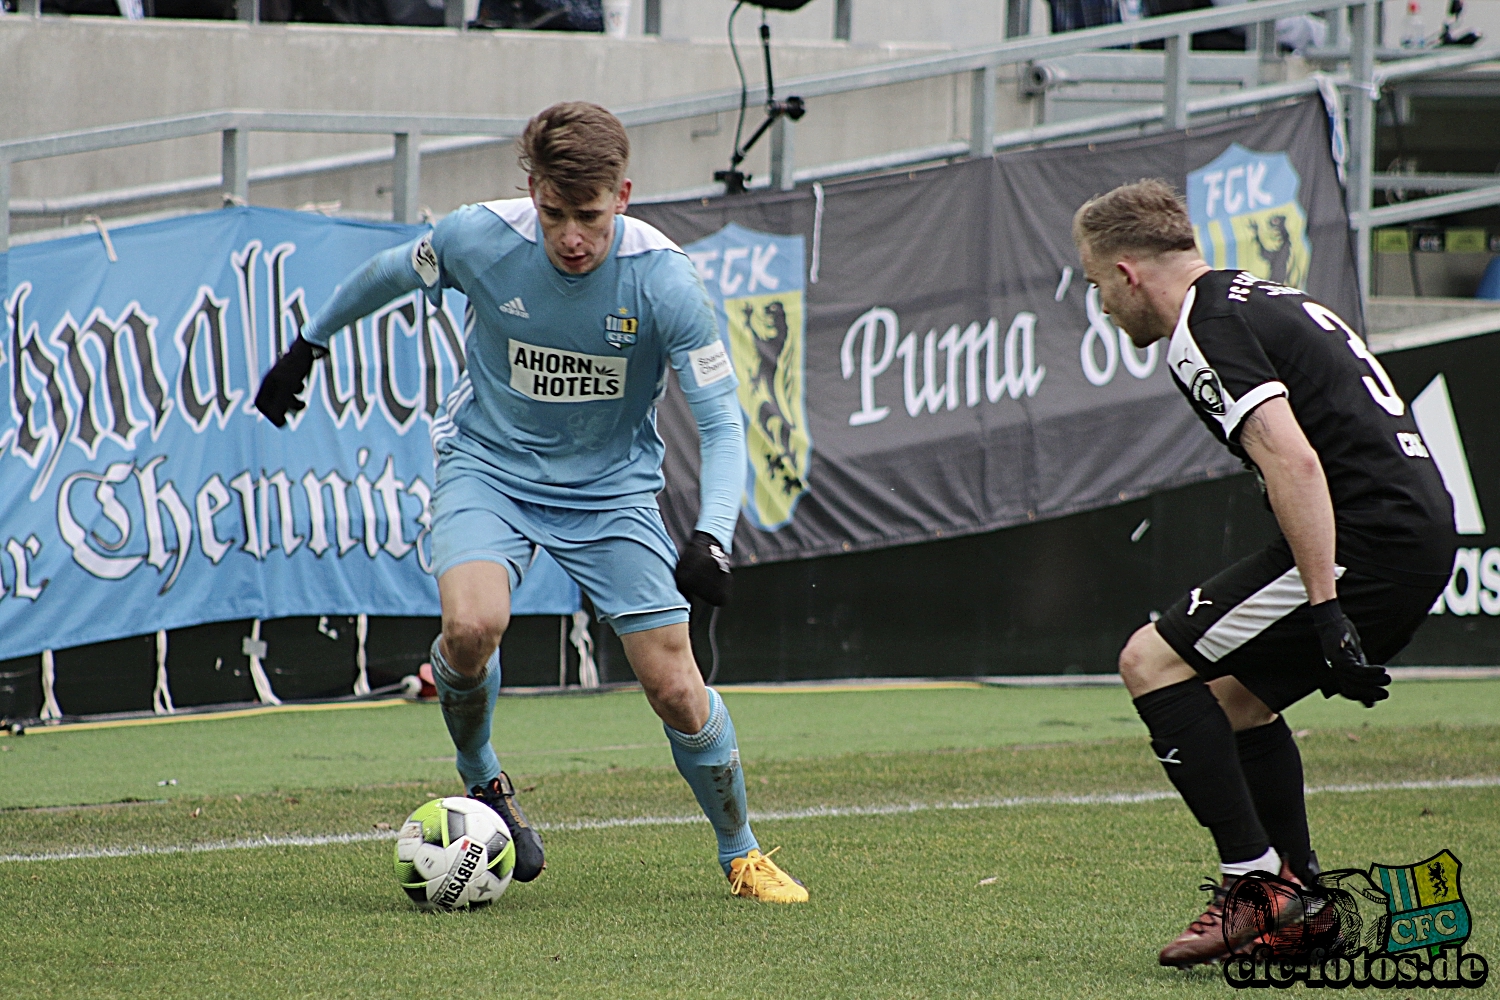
[793,108]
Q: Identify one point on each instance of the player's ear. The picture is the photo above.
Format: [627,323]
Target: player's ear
[622,197]
[1131,271]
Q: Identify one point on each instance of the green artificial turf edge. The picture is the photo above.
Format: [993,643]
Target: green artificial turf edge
[206,756]
[1431,753]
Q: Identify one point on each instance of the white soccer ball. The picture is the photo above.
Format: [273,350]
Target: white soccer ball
[454,853]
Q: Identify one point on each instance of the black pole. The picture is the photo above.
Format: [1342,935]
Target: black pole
[765,48]
[734,179]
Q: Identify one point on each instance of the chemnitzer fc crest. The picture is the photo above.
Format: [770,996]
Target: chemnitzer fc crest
[756,282]
[1246,215]
[1426,908]
[620,331]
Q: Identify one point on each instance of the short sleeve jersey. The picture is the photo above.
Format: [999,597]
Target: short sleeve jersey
[1240,341]
[564,372]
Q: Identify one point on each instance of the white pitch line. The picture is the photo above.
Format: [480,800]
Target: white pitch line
[1397,786]
[212,845]
[1102,799]
[815,812]
[891,809]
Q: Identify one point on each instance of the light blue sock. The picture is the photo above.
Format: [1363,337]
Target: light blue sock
[710,761]
[468,709]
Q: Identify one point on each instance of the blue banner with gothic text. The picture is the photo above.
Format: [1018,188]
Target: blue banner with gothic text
[139,488]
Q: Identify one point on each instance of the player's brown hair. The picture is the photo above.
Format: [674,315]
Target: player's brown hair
[576,147]
[1144,219]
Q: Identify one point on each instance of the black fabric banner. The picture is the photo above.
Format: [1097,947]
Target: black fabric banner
[920,356]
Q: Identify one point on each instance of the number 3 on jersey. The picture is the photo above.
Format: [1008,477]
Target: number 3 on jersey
[1380,386]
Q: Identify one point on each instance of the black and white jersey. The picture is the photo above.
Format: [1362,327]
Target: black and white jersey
[1241,341]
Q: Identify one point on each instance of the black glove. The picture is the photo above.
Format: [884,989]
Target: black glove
[703,570]
[278,390]
[1353,677]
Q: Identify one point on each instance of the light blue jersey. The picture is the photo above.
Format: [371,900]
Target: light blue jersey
[563,372]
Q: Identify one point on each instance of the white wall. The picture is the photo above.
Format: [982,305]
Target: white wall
[58,74]
[69,73]
[956,23]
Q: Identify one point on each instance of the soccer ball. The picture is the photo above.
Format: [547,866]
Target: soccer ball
[454,853]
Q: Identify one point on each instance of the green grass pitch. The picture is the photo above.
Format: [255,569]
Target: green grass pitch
[957,842]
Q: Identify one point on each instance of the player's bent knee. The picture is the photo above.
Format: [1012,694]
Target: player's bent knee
[1134,662]
[469,641]
[679,703]
[1148,663]
[670,695]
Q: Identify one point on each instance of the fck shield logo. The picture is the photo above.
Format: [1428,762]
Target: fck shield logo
[756,282]
[1246,215]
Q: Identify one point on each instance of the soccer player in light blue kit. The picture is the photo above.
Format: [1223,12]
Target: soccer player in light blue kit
[549,441]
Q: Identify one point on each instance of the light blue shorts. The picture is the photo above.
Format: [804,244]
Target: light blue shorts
[622,559]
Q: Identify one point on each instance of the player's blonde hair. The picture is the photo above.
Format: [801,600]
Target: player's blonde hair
[577,148]
[1144,219]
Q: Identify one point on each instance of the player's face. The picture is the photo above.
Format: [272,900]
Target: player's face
[1124,300]
[578,236]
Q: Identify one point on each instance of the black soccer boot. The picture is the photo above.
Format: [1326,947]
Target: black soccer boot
[500,795]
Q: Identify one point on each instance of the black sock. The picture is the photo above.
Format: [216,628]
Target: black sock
[1273,770]
[1191,736]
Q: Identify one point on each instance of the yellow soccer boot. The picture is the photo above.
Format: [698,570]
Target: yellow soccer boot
[758,877]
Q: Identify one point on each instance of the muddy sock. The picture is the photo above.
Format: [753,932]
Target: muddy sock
[710,761]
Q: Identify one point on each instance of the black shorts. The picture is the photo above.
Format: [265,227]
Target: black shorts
[1252,621]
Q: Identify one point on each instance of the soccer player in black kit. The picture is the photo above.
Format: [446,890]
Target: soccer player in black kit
[1366,544]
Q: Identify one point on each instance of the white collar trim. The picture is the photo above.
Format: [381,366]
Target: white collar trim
[642,237]
[518,213]
[639,237]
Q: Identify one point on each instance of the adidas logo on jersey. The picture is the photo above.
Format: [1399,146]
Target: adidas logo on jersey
[515,307]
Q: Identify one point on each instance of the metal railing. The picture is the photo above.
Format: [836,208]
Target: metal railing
[249,11]
[1434,182]
[1352,22]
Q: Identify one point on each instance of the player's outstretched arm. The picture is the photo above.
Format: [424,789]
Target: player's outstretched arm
[703,568]
[380,279]
[1298,493]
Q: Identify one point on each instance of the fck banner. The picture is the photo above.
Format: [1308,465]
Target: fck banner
[920,356]
[139,488]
